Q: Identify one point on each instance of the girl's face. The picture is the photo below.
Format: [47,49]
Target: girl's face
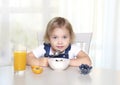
[59,39]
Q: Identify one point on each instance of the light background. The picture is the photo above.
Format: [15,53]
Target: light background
[21,20]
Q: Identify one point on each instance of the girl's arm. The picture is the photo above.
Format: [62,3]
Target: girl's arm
[82,58]
[33,61]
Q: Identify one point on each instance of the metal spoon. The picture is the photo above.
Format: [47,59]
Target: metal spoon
[58,52]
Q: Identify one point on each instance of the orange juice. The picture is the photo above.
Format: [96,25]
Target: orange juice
[20,60]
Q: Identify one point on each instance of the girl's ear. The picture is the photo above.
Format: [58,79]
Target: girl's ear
[48,40]
[71,41]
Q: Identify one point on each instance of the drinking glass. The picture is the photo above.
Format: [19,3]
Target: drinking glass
[20,54]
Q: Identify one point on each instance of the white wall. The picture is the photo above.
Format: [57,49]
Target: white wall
[21,20]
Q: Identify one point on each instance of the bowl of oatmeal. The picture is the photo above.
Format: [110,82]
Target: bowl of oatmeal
[58,63]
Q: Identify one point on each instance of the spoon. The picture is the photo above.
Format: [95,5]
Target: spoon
[57,53]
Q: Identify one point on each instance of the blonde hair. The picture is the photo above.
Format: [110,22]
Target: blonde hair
[58,22]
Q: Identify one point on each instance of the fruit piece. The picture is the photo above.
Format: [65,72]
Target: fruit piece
[37,69]
[85,69]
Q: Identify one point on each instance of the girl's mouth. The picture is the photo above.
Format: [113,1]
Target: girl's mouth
[60,47]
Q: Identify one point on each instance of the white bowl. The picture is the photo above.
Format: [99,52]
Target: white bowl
[58,63]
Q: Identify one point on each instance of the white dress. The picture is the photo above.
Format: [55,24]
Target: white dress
[40,51]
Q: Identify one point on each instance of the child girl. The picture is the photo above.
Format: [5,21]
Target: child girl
[59,35]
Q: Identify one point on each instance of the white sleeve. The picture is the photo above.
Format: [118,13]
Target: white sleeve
[39,52]
[75,49]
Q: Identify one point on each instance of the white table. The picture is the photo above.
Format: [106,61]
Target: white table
[71,76]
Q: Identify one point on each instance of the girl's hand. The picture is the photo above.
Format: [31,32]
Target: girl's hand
[43,61]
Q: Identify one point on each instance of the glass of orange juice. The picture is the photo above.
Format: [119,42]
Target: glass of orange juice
[20,54]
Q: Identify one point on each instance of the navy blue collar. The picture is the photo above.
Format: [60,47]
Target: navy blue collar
[64,55]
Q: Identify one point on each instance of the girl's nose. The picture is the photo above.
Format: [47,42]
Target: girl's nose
[60,41]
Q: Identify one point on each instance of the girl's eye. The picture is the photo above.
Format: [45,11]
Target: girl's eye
[55,37]
[65,37]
